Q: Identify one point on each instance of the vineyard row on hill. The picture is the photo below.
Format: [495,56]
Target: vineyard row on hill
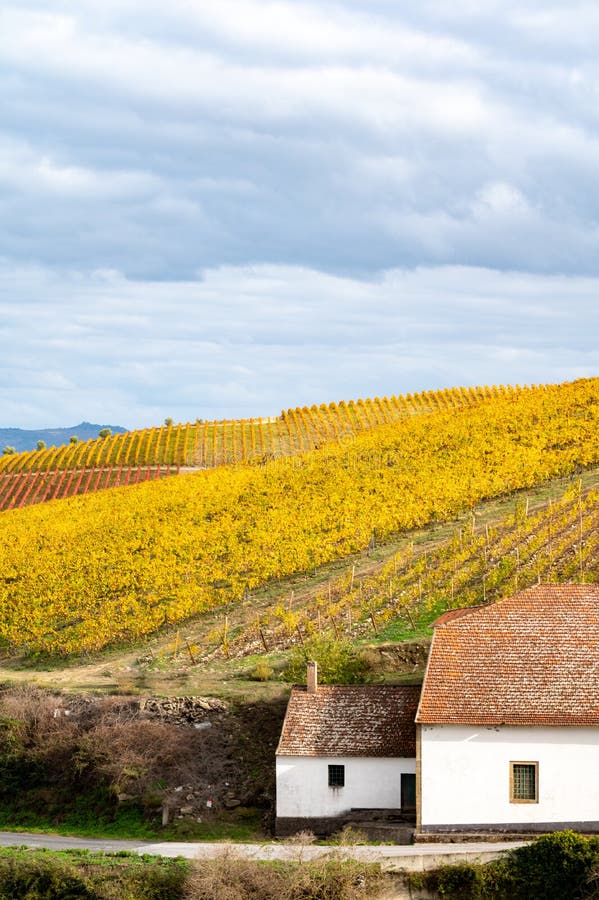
[559,543]
[209,444]
[18,489]
[115,565]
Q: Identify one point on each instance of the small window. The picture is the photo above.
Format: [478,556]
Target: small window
[336,776]
[524,782]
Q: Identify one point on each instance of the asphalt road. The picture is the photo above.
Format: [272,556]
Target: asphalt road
[417,857]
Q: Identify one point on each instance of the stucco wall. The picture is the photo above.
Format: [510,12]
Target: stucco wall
[303,789]
[466,774]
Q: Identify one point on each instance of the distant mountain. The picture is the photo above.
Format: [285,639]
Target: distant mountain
[22,439]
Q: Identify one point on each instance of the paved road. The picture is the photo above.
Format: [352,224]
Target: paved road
[412,858]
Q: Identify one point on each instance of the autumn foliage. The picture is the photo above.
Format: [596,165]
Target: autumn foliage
[115,565]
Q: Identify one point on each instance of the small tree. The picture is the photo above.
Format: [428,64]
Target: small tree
[338,661]
[41,445]
[73,439]
[105,432]
[8,450]
[168,421]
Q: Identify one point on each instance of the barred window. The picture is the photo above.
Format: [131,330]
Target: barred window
[336,776]
[524,782]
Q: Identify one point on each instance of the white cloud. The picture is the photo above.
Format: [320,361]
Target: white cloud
[22,168]
[253,340]
[351,178]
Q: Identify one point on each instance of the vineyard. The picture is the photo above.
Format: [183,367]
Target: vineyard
[210,444]
[560,543]
[116,565]
[18,489]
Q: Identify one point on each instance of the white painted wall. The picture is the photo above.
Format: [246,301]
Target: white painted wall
[370,783]
[466,774]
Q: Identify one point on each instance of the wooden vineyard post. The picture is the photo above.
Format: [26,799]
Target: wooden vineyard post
[262,638]
[189,650]
[580,534]
[410,617]
[225,637]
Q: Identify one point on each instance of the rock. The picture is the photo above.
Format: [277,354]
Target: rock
[186,810]
[123,798]
[232,803]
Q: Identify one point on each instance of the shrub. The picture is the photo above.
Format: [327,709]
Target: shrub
[349,837]
[43,880]
[262,671]
[557,865]
[228,878]
[338,661]
[43,875]
[463,881]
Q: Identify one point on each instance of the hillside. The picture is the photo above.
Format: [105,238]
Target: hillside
[117,565]
[209,444]
[123,459]
[216,652]
[558,542]
[24,440]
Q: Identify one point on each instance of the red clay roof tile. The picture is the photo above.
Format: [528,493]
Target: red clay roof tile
[351,720]
[531,659]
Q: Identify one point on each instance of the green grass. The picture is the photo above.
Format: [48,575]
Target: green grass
[39,874]
[130,824]
[82,821]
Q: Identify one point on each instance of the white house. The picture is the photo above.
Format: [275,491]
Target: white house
[508,736]
[345,748]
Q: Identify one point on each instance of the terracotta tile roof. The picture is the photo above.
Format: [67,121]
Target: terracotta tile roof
[531,659]
[351,720]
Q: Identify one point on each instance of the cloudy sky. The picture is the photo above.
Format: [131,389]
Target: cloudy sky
[225,208]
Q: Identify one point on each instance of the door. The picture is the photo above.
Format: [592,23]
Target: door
[408,792]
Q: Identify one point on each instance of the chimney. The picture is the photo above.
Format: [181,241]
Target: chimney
[312,678]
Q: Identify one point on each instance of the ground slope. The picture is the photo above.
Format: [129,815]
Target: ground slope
[117,565]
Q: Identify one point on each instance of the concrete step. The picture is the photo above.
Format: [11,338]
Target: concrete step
[386,832]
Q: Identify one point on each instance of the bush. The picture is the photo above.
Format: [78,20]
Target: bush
[79,875]
[228,878]
[349,837]
[463,881]
[338,661]
[559,866]
[43,880]
[262,671]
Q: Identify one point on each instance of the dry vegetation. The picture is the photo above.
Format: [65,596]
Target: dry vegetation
[86,760]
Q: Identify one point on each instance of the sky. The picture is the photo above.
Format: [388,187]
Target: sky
[224,209]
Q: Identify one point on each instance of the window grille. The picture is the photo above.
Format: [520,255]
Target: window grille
[524,782]
[336,776]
